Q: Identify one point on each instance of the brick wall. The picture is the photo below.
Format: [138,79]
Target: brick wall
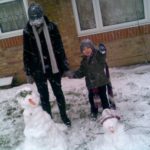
[11,57]
[125,47]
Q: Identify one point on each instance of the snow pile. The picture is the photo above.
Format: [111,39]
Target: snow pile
[41,132]
[131,86]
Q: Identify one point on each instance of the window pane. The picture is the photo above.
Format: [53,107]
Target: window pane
[86,14]
[12,16]
[120,11]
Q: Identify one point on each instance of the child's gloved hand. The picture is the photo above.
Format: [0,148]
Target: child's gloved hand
[102,48]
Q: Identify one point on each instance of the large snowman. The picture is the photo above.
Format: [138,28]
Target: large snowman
[41,132]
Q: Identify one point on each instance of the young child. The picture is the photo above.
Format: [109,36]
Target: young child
[92,67]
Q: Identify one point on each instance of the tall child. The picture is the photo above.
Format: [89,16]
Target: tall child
[44,58]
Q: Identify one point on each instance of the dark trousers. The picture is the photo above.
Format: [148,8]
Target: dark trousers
[55,81]
[103,97]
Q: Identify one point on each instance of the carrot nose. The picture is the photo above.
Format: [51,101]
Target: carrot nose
[112,130]
[32,102]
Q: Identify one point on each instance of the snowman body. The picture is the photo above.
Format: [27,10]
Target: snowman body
[41,132]
[116,138]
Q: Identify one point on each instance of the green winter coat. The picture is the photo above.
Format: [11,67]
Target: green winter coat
[93,69]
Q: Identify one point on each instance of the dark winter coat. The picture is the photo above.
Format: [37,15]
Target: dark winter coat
[93,70]
[31,56]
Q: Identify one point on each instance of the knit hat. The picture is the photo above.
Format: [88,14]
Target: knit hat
[109,113]
[86,43]
[35,13]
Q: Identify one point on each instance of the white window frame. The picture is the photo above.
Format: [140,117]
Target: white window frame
[99,26]
[16,32]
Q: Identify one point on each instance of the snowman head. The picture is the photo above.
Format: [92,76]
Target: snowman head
[110,125]
[28,98]
[110,120]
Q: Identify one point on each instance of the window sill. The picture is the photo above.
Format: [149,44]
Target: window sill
[11,34]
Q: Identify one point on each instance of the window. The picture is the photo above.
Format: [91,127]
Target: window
[118,13]
[13,17]
[96,16]
[86,14]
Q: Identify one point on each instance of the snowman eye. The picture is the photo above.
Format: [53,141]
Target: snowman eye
[25,93]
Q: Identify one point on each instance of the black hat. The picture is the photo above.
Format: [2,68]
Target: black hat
[35,12]
[86,43]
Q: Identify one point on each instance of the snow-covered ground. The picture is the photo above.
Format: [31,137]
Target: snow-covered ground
[131,87]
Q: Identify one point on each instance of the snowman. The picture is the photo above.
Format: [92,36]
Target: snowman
[41,132]
[115,137]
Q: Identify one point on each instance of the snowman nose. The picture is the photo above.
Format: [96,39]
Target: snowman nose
[32,102]
[111,129]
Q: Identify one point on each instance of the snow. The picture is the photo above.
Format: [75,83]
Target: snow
[6,81]
[131,86]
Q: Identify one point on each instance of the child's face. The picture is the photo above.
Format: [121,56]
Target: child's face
[87,51]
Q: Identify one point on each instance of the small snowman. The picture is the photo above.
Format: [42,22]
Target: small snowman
[115,137]
[41,132]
